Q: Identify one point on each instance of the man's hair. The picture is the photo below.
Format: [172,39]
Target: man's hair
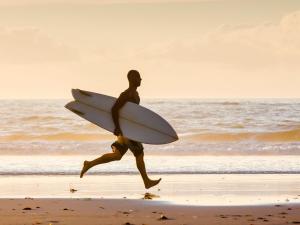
[132,74]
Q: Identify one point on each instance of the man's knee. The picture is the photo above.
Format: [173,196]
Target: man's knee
[118,157]
[137,149]
[117,154]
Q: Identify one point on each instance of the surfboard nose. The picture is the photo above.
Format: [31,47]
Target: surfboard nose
[174,135]
[177,138]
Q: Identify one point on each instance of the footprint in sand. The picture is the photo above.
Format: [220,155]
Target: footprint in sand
[162,217]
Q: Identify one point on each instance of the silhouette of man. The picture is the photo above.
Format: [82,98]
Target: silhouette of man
[120,147]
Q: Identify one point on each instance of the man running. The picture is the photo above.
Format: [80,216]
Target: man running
[120,147]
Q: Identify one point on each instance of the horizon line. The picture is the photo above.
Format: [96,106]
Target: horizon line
[179,98]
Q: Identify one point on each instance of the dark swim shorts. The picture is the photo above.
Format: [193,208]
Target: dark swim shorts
[134,146]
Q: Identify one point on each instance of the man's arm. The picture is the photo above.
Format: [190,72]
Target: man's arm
[120,102]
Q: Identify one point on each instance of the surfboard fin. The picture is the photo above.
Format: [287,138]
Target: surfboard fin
[77,112]
[85,93]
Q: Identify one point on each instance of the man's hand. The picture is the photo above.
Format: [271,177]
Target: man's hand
[118,131]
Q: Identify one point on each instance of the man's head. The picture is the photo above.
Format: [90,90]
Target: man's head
[134,78]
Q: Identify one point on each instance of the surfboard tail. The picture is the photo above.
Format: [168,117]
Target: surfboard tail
[69,107]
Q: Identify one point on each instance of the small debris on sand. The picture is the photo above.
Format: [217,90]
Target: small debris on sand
[150,196]
[27,208]
[66,209]
[72,190]
[163,217]
[127,223]
[296,222]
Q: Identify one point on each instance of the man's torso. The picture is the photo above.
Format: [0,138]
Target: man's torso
[131,96]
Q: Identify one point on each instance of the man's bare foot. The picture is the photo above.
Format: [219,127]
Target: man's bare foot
[84,168]
[152,183]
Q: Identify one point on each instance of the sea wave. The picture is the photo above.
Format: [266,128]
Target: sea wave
[230,103]
[42,118]
[64,136]
[278,136]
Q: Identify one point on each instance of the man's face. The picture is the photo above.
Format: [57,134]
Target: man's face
[138,81]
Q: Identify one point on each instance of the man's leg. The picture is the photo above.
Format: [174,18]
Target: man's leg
[141,167]
[108,157]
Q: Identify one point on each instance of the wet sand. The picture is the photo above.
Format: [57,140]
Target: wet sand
[185,189]
[126,211]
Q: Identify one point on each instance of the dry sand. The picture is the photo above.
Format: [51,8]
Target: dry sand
[138,212]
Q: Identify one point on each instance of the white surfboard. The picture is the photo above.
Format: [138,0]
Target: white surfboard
[137,122]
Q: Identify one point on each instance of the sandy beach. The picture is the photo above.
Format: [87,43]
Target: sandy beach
[125,211]
[209,199]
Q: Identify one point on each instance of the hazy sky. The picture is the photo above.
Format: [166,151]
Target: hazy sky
[194,49]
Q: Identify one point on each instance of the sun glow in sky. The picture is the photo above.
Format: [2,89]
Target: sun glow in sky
[183,49]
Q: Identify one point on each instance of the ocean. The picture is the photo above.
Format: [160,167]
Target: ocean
[216,136]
